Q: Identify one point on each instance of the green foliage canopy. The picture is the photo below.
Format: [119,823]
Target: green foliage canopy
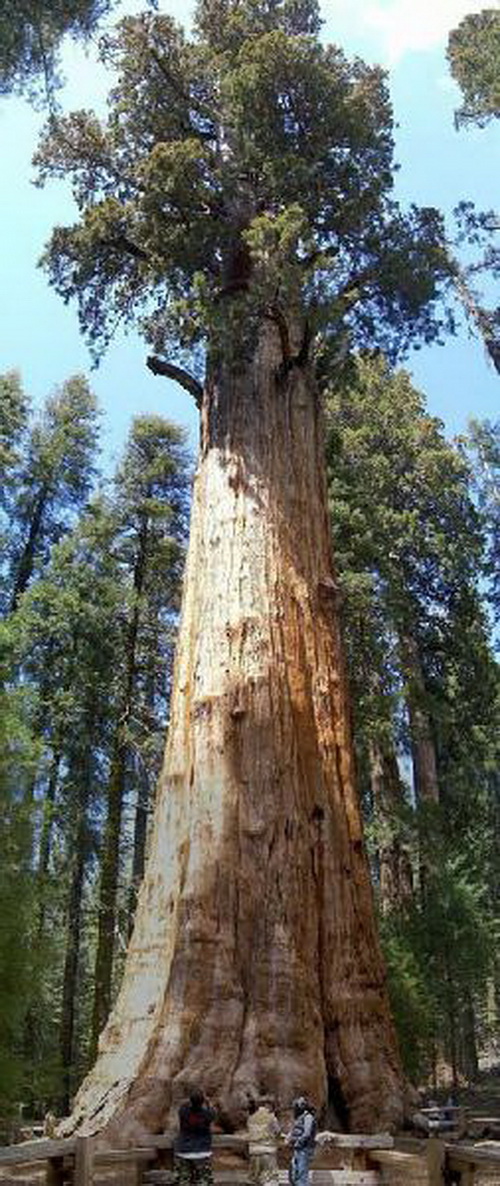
[30,36]
[410,522]
[86,664]
[241,173]
[484,445]
[18,758]
[53,474]
[404,522]
[474,57]
[13,421]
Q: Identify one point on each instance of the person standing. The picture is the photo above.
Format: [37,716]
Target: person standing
[193,1145]
[302,1138]
[263,1131]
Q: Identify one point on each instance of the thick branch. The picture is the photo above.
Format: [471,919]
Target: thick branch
[168,369]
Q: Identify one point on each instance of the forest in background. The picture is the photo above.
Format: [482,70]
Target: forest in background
[90,587]
[90,595]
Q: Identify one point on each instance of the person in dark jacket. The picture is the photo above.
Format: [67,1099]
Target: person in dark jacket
[302,1138]
[193,1145]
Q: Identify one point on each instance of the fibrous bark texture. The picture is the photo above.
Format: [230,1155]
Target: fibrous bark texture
[254,963]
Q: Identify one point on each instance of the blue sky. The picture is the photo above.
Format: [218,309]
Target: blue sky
[439,166]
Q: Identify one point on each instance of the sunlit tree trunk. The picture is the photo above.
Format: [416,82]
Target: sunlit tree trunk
[139,843]
[254,962]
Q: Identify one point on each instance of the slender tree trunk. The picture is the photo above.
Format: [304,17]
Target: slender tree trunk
[144,787]
[110,855]
[33,1040]
[70,974]
[254,962]
[27,558]
[483,320]
[451,1002]
[422,742]
[82,778]
[395,871]
[470,1056]
[108,889]
[423,752]
[46,838]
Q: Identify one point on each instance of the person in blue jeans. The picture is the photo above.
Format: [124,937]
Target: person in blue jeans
[302,1138]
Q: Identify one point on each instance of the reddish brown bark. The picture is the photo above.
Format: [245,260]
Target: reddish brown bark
[254,962]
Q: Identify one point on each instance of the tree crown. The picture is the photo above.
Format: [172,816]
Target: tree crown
[474,57]
[240,172]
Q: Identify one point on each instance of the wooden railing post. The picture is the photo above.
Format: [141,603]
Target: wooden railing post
[436,1161]
[84,1160]
[54,1171]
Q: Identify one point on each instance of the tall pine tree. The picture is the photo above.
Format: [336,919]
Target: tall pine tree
[54,478]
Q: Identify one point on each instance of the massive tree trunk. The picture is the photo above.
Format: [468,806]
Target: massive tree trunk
[139,844]
[254,962]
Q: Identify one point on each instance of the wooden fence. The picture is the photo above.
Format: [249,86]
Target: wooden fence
[359,1160]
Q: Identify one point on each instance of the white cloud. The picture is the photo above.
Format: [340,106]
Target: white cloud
[400,26]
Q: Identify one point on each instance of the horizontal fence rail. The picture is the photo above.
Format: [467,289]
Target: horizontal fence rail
[365,1160]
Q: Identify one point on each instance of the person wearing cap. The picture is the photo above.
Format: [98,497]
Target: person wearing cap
[193,1144]
[302,1138]
[263,1131]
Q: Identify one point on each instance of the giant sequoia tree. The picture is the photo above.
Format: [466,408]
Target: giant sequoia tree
[236,205]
